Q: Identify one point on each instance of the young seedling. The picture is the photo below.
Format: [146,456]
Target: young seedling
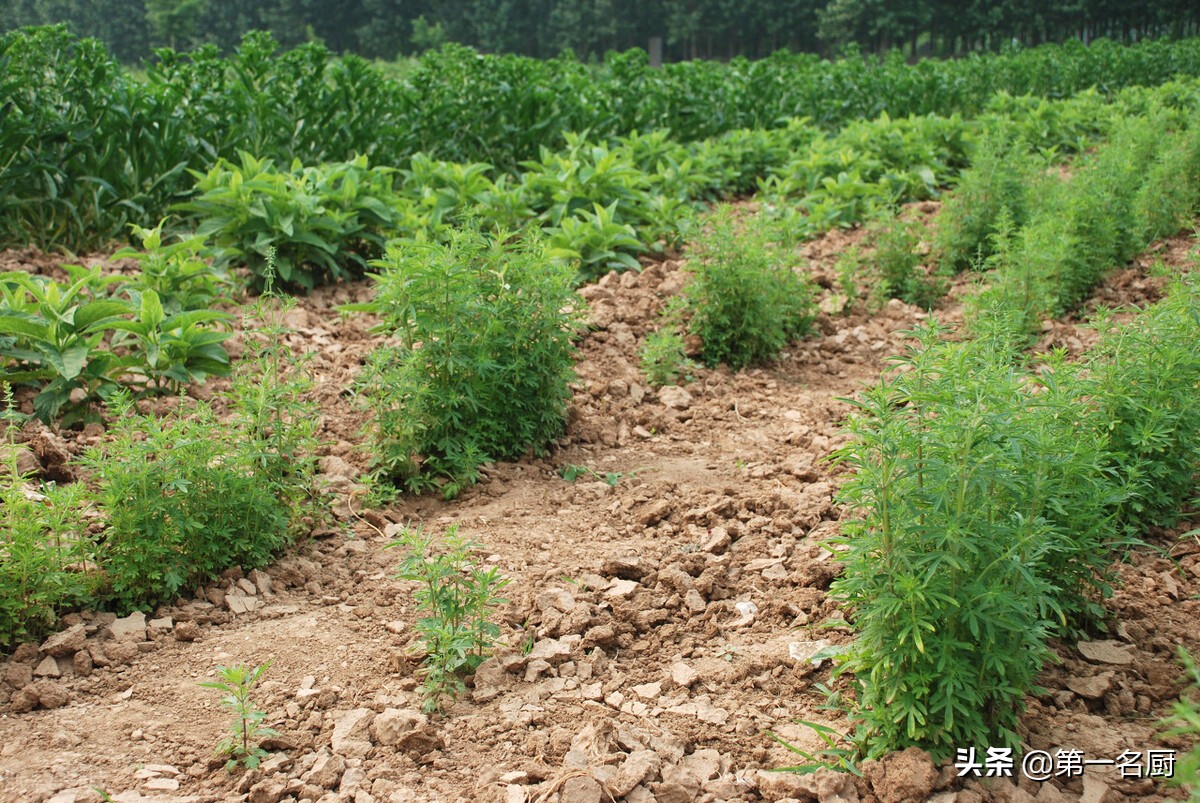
[242,745]
[571,472]
[459,597]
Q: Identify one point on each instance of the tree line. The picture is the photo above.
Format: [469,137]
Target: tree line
[717,29]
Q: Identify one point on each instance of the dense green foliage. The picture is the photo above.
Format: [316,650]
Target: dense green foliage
[482,357]
[1079,228]
[699,28]
[745,301]
[314,225]
[44,554]
[91,148]
[993,499]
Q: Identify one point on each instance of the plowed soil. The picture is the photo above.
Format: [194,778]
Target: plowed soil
[662,618]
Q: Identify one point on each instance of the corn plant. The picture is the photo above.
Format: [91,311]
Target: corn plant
[247,730]
[459,597]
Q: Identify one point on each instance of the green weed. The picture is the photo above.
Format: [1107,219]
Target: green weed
[1185,722]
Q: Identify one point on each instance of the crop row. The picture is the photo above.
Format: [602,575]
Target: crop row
[993,490]
[90,148]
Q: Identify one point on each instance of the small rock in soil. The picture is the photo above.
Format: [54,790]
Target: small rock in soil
[581,789]
[908,775]
[1105,652]
[241,604]
[18,675]
[68,642]
[351,734]
[48,668]
[326,772]
[49,694]
[1091,687]
[82,663]
[675,397]
[132,627]
[683,675]
[626,567]
[187,631]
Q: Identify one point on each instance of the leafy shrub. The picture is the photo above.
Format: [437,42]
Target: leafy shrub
[664,358]
[183,502]
[1083,227]
[745,301]
[483,360]
[176,272]
[1167,201]
[44,553]
[275,412]
[896,266]
[320,223]
[458,597]
[986,528]
[82,336]
[1002,180]
[594,244]
[1143,380]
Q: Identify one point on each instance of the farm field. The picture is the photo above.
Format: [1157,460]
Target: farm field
[668,566]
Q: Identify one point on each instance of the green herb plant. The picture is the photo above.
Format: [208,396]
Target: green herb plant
[458,597]
[271,395]
[895,267]
[1184,722]
[46,549]
[242,745]
[745,301]
[480,357]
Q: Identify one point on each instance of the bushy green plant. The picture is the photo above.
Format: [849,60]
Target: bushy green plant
[459,598]
[663,353]
[745,300]
[1167,201]
[664,358]
[247,730]
[183,502]
[278,417]
[1143,380]
[896,266]
[45,551]
[1083,227]
[1001,181]
[482,357]
[986,527]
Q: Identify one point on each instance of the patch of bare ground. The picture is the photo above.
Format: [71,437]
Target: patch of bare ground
[670,617]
